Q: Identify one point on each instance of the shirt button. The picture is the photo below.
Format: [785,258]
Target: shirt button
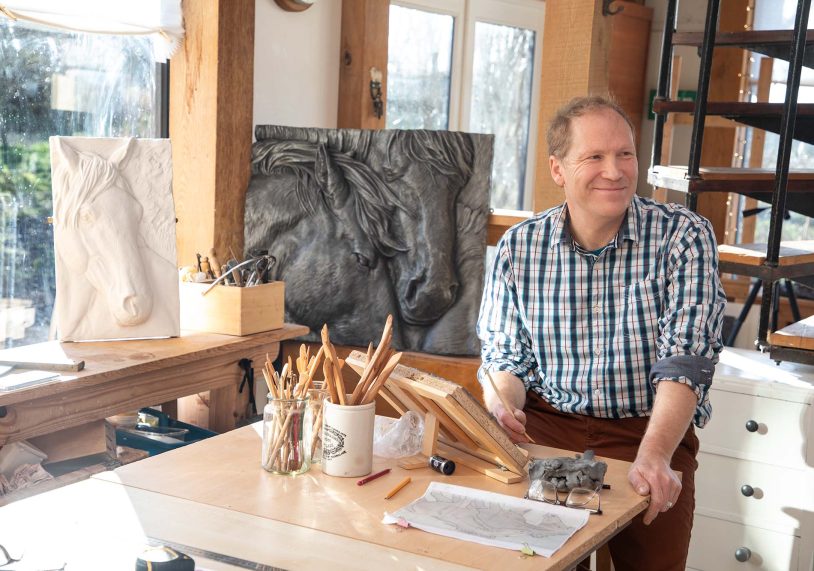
[597,392]
[597,309]
[597,352]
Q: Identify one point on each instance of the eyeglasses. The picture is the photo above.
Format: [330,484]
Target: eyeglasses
[586,499]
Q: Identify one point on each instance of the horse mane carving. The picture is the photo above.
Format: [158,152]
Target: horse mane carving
[366,223]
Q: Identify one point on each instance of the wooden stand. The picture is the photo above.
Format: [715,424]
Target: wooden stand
[456,426]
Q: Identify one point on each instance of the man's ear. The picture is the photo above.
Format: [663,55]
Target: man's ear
[557,170]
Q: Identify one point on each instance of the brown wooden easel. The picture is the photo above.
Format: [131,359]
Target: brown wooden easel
[456,425]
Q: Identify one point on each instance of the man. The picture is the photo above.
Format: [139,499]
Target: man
[601,323]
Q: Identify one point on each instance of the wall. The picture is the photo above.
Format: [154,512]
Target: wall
[296,64]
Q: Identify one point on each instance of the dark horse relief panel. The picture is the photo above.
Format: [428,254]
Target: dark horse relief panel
[369,223]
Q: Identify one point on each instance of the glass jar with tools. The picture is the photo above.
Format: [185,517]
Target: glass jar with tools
[287,430]
[316,398]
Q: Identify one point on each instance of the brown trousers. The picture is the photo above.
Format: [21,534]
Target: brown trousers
[663,544]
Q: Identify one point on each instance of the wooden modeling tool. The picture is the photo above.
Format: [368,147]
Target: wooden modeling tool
[509,408]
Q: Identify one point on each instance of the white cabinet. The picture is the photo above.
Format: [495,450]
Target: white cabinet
[754,505]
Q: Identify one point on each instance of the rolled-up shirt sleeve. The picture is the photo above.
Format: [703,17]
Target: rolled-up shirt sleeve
[505,341]
[690,325]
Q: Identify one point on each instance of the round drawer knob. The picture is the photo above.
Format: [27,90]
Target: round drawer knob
[747,490]
[752,425]
[743,554]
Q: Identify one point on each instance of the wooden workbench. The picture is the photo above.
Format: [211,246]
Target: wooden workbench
[121,376]
[224,473]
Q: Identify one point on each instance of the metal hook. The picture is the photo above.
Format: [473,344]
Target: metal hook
[606,9]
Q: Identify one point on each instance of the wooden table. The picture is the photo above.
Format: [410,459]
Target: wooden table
[224,473]
[120,376]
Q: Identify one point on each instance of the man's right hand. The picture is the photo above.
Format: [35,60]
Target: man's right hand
[514,393]
[513,422]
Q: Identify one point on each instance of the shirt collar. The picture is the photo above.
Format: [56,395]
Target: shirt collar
[628,231]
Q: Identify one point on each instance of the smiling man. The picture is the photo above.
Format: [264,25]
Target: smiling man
[601,323]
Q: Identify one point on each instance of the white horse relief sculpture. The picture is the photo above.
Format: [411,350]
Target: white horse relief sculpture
[114,235]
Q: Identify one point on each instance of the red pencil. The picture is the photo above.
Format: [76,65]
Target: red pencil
[367,479]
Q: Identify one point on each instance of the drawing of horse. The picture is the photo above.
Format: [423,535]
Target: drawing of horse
[111,285]
[363,224]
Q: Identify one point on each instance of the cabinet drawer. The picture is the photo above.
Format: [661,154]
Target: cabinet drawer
[779,438]
[782,496]
[714,542]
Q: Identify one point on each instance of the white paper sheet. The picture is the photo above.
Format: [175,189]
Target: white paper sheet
[491,519]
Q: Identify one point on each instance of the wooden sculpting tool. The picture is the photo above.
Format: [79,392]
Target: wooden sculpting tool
[214,262]
[398,487]
[505,403]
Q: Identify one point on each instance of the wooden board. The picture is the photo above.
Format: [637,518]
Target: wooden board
[791,253]
[224,471]
[798,335]
[122,376]
[99,524]
[462,416]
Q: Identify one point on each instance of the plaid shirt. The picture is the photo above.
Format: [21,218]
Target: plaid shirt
[593,333]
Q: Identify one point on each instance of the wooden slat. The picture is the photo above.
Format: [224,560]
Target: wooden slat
[791,253]
[798,335]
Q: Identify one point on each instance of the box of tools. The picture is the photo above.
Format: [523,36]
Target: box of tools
[232,310]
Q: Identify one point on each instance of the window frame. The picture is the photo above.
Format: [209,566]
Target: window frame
[527,14]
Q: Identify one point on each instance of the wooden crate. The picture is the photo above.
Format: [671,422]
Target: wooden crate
[232,310]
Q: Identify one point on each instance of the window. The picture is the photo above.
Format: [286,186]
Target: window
[57,83]
[471,65]
[770,16]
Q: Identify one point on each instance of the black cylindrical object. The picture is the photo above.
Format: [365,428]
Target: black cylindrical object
[440,464]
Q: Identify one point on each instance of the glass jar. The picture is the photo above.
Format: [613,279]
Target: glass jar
[287,429]
[316,398]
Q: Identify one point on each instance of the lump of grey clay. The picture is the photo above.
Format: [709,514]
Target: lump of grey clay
[582,471]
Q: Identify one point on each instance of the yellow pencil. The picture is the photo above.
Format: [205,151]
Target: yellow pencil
[505,403]
[395,490]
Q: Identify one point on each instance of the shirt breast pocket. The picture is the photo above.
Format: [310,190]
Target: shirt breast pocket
[642,308]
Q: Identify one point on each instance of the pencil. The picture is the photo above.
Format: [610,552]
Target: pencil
[372,477]
[505,403]
[395,490]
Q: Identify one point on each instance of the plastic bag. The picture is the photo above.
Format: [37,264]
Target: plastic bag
[398,438]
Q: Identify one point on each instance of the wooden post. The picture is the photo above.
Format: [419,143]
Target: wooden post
[585,52]
[575,55]
[211,94]
[364,46]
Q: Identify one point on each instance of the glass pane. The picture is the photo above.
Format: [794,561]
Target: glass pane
[419,63]
[501,104]
[55,83]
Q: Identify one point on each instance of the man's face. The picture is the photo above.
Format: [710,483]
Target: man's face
[600,169]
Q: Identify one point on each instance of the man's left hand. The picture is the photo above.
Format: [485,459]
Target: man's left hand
[651,474]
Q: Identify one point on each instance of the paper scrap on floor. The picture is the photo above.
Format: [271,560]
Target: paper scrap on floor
[491,519]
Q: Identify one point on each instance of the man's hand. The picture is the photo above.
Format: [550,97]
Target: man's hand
[651,474]
[513,422]
[514,392]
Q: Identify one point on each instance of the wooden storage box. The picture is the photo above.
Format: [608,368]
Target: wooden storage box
[232,310]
